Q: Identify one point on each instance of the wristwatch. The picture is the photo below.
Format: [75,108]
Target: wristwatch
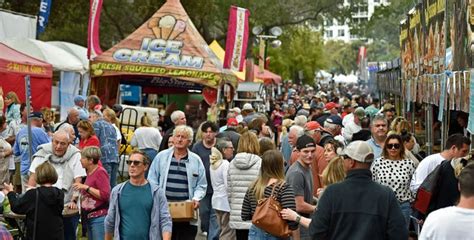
[298,218]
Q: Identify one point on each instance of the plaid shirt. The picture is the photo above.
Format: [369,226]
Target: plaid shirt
[108,141]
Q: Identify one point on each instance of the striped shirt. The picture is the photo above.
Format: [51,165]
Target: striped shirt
[284,195]
[177,182]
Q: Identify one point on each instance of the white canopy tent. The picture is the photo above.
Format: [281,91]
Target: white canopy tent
[65,58]
[59,58]
[351,78]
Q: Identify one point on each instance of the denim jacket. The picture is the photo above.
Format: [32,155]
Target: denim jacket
[160,216]
[158,173]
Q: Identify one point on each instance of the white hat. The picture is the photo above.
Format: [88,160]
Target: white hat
[236,109]
[247,106]
[359,151]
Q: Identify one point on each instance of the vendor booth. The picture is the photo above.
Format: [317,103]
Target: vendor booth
[68,69]
[14,66]
[165,55]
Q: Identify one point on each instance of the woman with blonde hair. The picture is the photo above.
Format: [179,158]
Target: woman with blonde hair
[271,179]
[243,170]
[12,111]
[110,117]
[147,138]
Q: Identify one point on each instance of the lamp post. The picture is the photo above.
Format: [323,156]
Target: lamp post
[275,32]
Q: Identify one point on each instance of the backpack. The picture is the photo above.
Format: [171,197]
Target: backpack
[427,190]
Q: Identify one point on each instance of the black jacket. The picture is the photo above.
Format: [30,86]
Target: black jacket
[50,212]
[358,208]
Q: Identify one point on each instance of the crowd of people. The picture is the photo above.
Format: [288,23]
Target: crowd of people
[340,163]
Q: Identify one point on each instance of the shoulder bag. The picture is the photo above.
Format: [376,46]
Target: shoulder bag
[267,216]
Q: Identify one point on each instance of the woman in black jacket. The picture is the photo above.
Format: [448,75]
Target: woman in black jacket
[48,209]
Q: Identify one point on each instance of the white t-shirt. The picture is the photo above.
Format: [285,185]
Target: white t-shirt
[424,169]
[449,223]
[117,130]
[74,165]
[146,137]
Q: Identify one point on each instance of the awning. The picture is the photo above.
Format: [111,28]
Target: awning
[14,66]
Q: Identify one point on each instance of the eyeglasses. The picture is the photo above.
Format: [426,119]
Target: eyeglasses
[135,163]
[393,146]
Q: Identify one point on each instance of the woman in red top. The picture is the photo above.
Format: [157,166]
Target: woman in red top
[87,136]
[95,193]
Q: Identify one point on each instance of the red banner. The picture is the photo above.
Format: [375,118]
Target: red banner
[237,39]
[93,46]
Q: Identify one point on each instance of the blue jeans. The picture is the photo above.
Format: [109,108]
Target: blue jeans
[256,233]
[150,153]
[208,218]
[406,211]
[70,227]
[111,169]
[95,228]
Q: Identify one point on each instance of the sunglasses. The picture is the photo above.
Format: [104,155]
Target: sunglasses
[135,163]
[393,146]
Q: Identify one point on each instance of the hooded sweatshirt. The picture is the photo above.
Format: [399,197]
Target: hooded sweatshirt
[243,170]
[49,217]
[219,169]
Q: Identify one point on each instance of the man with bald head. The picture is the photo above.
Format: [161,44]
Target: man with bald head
[66,160]
[73,120]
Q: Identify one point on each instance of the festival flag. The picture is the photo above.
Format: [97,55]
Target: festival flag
[93,46]
[237,38]
[43,15]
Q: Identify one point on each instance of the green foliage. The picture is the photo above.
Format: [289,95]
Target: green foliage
[342,57]
[302,50]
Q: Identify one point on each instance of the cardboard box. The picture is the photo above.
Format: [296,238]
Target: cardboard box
[182,211]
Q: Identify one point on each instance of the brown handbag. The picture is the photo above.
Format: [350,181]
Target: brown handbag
[268,218]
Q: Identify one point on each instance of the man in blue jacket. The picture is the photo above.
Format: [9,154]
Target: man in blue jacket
[138,208]
[181,174]
[358,208]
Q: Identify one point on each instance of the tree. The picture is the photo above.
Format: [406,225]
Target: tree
[341,56]
[302,50]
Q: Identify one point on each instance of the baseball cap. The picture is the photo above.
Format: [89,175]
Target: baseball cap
[79,98]
[247,106]
[331,105]
[117,108]
[305,141]
[312,125]
[359,151]
[36,115]
[232,122]
[359,112]
[334,119]
[236,109]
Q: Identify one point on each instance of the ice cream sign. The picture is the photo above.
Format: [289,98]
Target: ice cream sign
[164,49]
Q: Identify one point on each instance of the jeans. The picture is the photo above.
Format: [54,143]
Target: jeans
[256,233]
[208,218]
[95,228]
[70,226]
[406,211]
[111,169]
[150,153]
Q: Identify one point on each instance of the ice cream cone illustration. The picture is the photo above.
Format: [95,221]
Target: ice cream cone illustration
[166,24]
[179,28]
[153,24]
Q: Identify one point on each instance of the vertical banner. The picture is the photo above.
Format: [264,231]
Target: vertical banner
[442,98]
[470,122]
[237,38]
[43,15]
[93,46]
